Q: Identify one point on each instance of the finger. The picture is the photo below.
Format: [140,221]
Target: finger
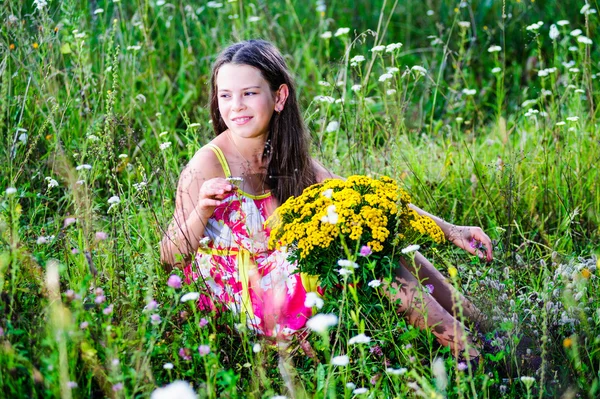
[208,202]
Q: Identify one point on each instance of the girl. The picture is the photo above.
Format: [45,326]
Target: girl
[258,159]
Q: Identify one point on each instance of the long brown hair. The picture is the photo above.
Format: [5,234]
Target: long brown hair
[290,168]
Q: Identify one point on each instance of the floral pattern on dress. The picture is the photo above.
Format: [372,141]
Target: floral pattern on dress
[274,293]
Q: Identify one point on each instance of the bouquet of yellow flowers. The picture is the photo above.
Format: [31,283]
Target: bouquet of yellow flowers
[359,216]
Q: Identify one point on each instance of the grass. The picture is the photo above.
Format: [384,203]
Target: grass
[107,89]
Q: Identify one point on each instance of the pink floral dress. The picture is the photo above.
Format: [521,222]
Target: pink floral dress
[238,271]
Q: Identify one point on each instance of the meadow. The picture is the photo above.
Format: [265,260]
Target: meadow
[484,111]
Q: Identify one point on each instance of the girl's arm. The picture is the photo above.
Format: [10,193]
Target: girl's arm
[470,238]
[201,188]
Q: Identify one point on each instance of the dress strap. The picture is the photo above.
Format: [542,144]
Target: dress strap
[221,157]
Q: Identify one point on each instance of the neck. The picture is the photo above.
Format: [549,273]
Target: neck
[252,150]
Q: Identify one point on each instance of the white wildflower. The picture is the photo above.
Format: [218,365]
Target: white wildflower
[464,24]
[332,126]
[469,92]
[23,137]
[392,70]
[430,12]
[168,366]
[51,182]
[253,18]
[360,391]
[331,217]
[327,193]
[546,93]
[326,35]
[350,385]
[176,389]
[98,11]
[214,4]
[40,4]
[342,360]
[385,77]
[321,322]
[496,70]
[114,200]
[324,99]
[535,27]
[123,156]
[356,88]
[554,33]
[574,70]
[324,83]
[494,49]
[576,32]
[573,118]
[341,31]
[411,248]
[357,58]
[584,40]
[390,92]
[562,22]
[419,69]
[391,47]
[573,48]
[344,272]
[377,49]
[374,283]
[165,145]
[561,123]
[359,339]
[584,9]
[190,296]
[84,166]
[393,371]
[313,299]
[256,348]
[93,137]
[347,263]
[10,191]
[568,64]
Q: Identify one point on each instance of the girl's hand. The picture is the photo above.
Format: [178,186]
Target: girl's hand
[211,194]
[473,240]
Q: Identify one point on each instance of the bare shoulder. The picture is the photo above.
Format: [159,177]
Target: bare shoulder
[203,166]
[322,173]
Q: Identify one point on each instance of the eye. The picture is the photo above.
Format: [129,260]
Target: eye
[250,93]
[224,95]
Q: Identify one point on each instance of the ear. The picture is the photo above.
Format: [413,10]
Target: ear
[281,96]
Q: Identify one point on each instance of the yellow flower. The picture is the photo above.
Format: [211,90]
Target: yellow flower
[568,342]
[35,45]
[585,273]
[452,271]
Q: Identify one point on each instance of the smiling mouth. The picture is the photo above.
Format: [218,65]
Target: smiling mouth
[241,120]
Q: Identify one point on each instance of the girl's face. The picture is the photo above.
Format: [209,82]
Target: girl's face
[246,102]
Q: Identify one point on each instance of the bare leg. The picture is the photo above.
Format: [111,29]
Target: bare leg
[443,291]
[424,311]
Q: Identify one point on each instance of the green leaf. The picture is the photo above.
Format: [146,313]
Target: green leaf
[320,377]
[65,48]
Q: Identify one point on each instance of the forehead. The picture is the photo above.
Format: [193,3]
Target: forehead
[235,76]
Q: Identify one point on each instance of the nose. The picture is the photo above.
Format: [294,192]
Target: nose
[238,103]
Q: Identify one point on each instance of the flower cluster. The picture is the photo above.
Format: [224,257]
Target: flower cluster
[336,215]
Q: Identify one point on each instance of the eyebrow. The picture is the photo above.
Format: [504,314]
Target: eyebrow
[245,88]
